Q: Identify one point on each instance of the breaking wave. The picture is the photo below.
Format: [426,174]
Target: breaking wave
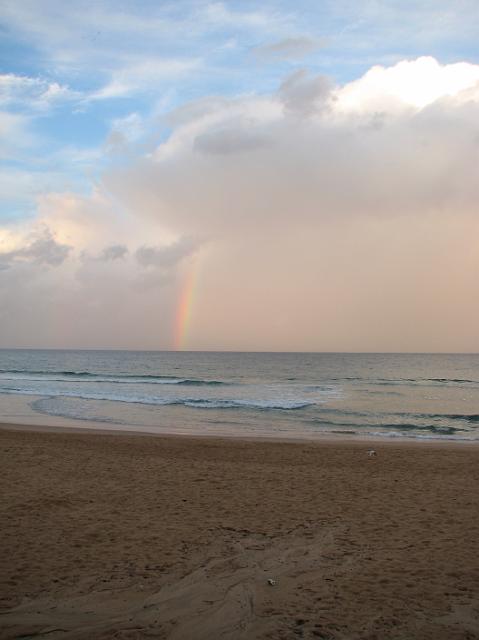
[85,376]
[199,403]
[408,381]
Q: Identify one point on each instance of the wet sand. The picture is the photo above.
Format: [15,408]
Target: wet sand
[118,536]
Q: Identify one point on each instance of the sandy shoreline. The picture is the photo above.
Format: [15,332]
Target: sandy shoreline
[18,413]
[116,536]
[53,424]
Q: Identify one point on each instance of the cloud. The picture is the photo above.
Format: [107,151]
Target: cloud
[63,280]
[167,256]
[409,83]
[142,76]
[350,211]
[125,130]
[289,48]
[32,93]
[353,228]
[83,31]
[219,14]
[305,93]
[227,141]
[42,250]
[111,253]
[326,161]
[115,252]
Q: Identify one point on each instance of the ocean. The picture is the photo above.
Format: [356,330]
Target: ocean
[285,395]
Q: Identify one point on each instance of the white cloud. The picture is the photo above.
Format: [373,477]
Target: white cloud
[218,123]
[323,160]
[32,93]
[143,76]
[347,211]
[410,83]
[348,228]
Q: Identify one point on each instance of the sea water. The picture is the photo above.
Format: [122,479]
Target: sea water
[264,394]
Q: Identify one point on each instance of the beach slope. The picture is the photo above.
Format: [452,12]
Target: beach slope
[117,536]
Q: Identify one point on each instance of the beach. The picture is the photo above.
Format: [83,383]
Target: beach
[239,346]
[126,536]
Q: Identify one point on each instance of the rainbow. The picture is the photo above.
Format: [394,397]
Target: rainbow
[183,311]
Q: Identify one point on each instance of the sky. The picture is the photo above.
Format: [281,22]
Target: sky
[239,175]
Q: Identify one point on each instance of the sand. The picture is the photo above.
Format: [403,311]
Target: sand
[117,536]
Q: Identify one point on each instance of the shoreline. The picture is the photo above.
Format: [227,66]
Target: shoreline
[324,438]
[17,414]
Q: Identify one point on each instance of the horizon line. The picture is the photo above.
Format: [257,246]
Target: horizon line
[112,349]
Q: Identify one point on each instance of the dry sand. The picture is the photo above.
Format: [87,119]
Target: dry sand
[115,536]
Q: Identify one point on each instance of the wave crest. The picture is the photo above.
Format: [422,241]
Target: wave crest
[86,376]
